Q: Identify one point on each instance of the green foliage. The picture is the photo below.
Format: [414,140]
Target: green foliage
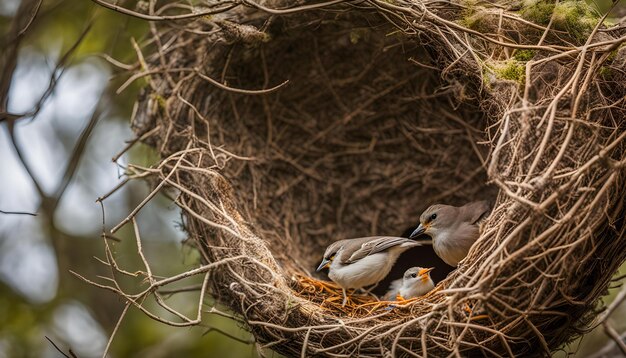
[110,32]
[20,329]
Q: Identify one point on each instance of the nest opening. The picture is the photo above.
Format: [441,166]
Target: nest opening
[363,137]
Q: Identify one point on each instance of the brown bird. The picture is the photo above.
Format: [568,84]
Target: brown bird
[453,229]
[357,263]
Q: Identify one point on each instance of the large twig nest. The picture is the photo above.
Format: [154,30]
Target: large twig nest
[391,106]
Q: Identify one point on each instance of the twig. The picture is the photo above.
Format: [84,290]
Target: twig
[17,213]
[72,355]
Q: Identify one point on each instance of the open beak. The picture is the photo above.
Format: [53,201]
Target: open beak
[420,230]
[325,263]
[425,271]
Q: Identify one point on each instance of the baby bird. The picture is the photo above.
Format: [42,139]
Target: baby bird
[453,229]
[356,263]
[415,282]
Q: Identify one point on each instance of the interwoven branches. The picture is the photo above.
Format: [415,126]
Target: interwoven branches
[284,127]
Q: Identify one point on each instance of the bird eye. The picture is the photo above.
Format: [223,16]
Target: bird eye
[332,257]
[433,216]
[414,275]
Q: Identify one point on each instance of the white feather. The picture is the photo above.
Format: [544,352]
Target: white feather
[366,271]
[394,289]
[409,287]
[416,287]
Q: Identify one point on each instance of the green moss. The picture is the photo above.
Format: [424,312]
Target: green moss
[487,77]
[475,21]
[160,100]
[473,17]
[605,72]
[573,16]
[524,55]
[537,11]
[512,70]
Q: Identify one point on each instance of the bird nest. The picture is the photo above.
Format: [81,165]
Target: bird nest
[285,125]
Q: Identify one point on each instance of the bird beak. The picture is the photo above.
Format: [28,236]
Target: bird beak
[420,230]
[425,271]
[325,263]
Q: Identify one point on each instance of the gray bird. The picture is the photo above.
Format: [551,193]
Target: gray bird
[357,263]
[453,229]
[415,282]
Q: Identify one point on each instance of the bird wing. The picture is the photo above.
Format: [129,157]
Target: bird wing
[374,244]
[474,212]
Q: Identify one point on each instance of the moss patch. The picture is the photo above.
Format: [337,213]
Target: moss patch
[537,11]
[475,20]
[605,72]
[160,100]
[573,16]
[474,17]
[524,55]
[511,70]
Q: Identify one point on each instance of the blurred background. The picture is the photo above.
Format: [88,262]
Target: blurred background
[57,160]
